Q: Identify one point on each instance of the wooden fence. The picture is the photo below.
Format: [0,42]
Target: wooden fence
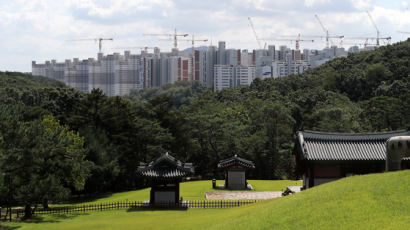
[17,213]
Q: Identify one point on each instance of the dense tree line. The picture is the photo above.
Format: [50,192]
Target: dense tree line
[364,92]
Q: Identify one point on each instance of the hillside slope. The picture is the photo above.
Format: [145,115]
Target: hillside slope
[25,81]
[376,201]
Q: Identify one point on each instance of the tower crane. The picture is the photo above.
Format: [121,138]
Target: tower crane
[326,31]
[298,37]
[254,33]
[366,39]
[365,44]
[193,40]
[175,36]
[403,32]
[377,30]
[145,48]
[297,41]
[94,39]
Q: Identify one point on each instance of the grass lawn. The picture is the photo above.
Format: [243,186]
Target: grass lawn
[376,201]
[194,190]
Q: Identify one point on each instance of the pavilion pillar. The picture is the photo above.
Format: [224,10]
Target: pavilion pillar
[246,175]
[311,177]
[177,192]
[226,179]
[152,194]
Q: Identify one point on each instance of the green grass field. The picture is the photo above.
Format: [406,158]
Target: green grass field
[194,190]
[376,201]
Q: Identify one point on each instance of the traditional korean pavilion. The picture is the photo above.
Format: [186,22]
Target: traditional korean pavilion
[323,157]
[164,174]
[235,171]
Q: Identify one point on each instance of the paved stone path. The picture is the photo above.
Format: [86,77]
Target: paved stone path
[242,195]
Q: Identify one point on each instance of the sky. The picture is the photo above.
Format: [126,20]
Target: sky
[41,29]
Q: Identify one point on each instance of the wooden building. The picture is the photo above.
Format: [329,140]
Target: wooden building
[164,174]
[323,157]
[235,171]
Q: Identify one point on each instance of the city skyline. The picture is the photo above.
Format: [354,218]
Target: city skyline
[39,30]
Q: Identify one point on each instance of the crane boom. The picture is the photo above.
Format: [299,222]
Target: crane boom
[193,40]
[94,39]
[254,33]
[291,40]
[136,47]
[324,29]
[174,35]
[377,30]
[369,38]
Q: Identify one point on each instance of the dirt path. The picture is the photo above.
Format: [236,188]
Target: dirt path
[242,195]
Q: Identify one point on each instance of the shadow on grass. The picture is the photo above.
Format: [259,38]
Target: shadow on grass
[2,227]
[139,209]
[92,198]
[50,218]
[83,199]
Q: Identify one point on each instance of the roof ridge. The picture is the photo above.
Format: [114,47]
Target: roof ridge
[354,134]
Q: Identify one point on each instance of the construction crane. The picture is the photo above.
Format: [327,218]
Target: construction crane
[298,37]
[326,32]
[175,36]
[365,44]
[377,30]
[145,48]
[366,39]
[297,41]
[256,36]
[94,39]
[403,32]
[193,40]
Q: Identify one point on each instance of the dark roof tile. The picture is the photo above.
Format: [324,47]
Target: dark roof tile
[236,161]
[345,146]
[165,166]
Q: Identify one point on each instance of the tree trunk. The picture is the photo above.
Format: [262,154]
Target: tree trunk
[45,203]
[27,212]
[34,209]
[7,213]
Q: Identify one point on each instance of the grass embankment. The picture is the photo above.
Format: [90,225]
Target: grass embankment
[377,201]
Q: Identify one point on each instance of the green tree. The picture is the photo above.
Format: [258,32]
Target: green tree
[385,113]
[44,159]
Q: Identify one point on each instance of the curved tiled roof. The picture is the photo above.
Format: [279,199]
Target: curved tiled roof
[345,146]
[165,166]
[236,161]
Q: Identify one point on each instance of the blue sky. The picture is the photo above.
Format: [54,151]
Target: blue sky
[39,29]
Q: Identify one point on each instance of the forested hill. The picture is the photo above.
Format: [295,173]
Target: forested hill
[26,81]
[37,92]
[365,92]
[360,76]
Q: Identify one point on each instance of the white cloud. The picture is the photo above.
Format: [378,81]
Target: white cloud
[310,3]
[405,5]
[39,29]
[361,4]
